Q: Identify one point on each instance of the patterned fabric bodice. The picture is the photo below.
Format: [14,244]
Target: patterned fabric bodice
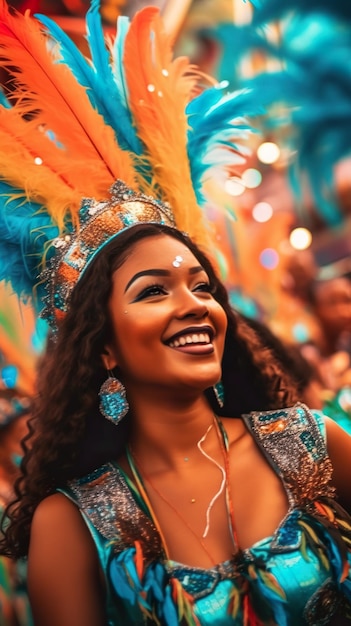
[300,576]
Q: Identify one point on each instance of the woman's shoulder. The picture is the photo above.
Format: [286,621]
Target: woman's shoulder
[56,511]
[63,565]
[58,527]
[54,504]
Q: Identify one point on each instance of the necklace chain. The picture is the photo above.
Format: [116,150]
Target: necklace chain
[138,471]
[220,490]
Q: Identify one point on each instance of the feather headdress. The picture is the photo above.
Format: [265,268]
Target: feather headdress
[71,126]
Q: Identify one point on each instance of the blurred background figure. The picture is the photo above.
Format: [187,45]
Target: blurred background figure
[331,356]
[331,301]
[14,414]
[294,319]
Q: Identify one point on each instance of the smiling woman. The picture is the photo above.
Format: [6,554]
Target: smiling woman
[171,477]
[178,511]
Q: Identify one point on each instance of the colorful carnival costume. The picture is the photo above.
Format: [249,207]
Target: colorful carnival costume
[300,576]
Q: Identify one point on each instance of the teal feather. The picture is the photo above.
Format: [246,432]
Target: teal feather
[117,55]
[3,100]
[111,79]
[325,536]
[311,97]
[97,77]
[234,42]
[268,10]
[217,132]
[24,230]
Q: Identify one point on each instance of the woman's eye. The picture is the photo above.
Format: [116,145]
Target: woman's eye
[206,287]
[148,292]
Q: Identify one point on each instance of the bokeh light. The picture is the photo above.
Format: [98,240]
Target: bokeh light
[268,152]
[300,332]
[262,212]
[251,178]
[300,238]
[234,186]
[269,258]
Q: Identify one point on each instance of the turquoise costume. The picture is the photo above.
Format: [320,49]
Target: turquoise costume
[301,576]
[338,408]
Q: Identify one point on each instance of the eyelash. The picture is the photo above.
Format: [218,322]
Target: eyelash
[207,287]
[151,290]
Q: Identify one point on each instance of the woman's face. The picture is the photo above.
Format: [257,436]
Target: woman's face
[168,329]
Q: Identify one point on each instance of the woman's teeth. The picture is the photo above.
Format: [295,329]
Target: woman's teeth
[187,339]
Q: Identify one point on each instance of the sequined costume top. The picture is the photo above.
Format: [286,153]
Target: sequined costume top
[299,576]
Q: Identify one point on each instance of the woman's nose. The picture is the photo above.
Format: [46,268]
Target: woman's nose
[188,304]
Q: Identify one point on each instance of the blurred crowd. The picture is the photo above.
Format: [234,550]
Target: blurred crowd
[14,415]
[320,358]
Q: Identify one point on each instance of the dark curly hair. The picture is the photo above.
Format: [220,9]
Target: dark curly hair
[68,436]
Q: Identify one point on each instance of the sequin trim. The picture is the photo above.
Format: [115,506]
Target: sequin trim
[293,443]
[106,500]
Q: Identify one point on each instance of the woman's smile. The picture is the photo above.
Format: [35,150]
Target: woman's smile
[193,340]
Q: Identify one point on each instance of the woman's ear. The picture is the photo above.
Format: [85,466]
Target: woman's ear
[108,358]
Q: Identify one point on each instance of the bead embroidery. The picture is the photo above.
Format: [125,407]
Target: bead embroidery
[291,438]
[105,498]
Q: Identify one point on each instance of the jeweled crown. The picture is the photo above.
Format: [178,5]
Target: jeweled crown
[99,223]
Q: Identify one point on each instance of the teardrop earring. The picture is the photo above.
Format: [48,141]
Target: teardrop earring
[113,399]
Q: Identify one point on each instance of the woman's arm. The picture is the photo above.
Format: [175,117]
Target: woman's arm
[339,450]
[64,578]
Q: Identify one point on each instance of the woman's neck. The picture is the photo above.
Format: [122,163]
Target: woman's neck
[168,434]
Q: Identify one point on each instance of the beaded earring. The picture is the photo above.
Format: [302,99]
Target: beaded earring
[113,400]
[219,393]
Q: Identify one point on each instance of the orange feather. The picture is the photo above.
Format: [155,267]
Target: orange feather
[159,90]
[51,188]
[47,93]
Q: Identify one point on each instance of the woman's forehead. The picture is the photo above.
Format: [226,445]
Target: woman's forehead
[159,249]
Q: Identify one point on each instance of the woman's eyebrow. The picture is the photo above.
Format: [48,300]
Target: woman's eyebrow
[159,272]
[150,272]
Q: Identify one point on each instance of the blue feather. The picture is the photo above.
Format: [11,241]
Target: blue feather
[118,53]
[96,77]
[268,10]
[3,100]
[216,122]
[313,91]
[110,80]
[217,128]
[24,230]
[234,41]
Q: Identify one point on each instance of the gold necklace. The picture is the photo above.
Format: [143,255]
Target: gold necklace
[140,474]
